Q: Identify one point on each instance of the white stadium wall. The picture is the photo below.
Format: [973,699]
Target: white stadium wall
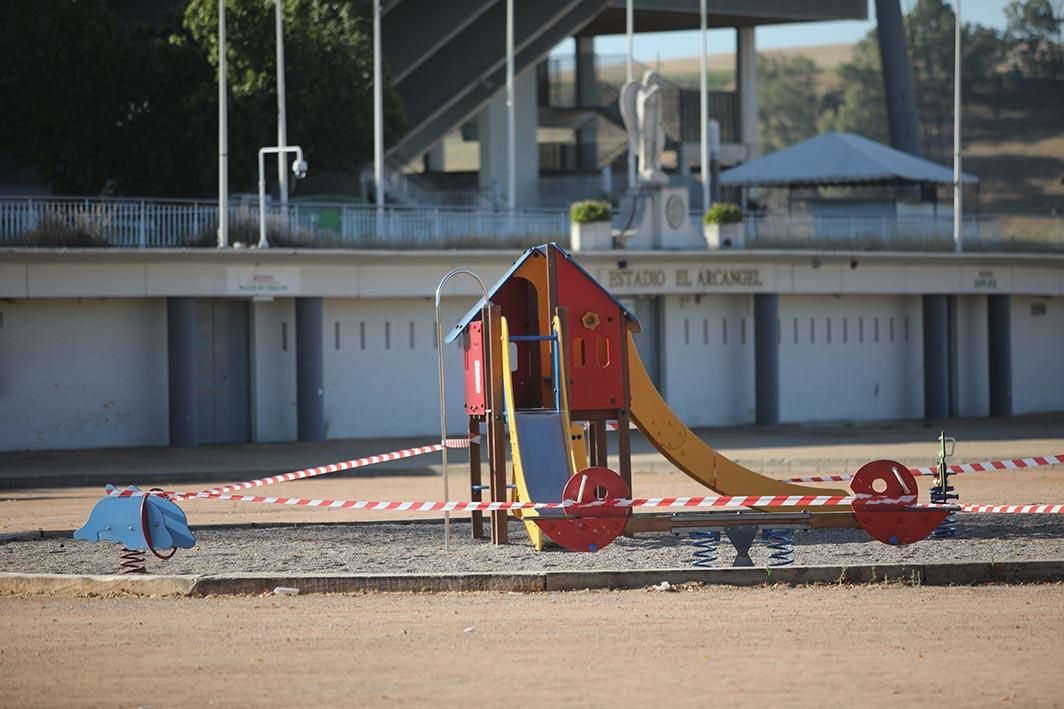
[84,355]
[708,372]
[1037,354]
[83,373]
[381,367]
[850,358]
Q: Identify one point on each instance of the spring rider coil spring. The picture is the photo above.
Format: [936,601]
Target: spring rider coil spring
[706,552]
[133,561]
[781,544]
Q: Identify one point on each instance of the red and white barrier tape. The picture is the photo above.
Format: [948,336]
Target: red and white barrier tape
[1015,509]
[931,470]
[331,468]
[727,502]
[474,506]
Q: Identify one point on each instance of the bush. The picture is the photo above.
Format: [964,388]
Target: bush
[55,232]
[723,213]
[590,210]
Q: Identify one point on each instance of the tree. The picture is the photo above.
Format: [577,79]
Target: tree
[858,104]
[99,105]
[329,75]
[65,90]
[789,104]
[1033,31]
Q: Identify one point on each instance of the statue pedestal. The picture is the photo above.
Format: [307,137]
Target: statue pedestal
[666,222]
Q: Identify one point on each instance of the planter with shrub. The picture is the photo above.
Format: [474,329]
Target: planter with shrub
[722,226]
[590,226]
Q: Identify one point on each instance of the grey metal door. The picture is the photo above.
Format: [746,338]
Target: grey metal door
[223,389]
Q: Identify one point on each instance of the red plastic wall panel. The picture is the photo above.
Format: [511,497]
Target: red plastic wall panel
[519,301]
[473,347]
[596,336]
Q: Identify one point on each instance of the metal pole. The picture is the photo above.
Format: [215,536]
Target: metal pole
[223,136]
[443,390]
[378,118]
[511,124]
[282,118]
[958,191]
[280,152]
[703,107]
[630,30]
[263,243]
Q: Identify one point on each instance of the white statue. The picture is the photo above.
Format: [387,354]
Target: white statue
[640,104]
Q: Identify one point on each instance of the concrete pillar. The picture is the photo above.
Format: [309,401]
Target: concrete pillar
[586,97]
[999,340]
[746,80]
[766,358]
[897,78]
[936,357]
[310,365]
[181,361]
[491,127]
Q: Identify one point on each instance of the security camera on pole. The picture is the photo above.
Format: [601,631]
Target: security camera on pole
[299,169]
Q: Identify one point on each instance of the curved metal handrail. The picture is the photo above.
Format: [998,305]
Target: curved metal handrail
[443,389]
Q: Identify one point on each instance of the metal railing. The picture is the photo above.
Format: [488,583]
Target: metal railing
[864,232]
[67,222]
[62,222]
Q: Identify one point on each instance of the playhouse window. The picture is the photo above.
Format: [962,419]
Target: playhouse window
[602,352]
[579,355]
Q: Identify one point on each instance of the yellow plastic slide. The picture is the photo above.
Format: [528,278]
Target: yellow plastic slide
[545,446]
[689,453]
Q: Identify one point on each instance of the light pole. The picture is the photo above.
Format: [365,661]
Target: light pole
[378,118]
[629,23]
[223,136]
[511,123]
[703,110]
[958,188]
[282,118]
[299,169]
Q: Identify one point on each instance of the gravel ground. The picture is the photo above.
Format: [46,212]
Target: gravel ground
[418,548]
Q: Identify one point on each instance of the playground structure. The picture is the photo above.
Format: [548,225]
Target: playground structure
[549,355]
[550,365]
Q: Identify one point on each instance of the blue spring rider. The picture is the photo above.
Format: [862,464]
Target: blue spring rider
[140,522]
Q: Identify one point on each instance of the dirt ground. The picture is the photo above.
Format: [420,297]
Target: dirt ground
[819,646]
[852,646]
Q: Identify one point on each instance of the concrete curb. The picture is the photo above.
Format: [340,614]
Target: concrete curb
[949,574]
[71,585]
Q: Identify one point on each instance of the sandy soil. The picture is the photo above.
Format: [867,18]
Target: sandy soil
[865,646]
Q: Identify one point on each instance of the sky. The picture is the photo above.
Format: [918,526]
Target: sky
[667,45]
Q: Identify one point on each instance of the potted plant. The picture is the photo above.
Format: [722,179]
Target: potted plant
[590,225]
[722,226]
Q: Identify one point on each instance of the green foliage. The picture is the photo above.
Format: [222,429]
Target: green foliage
[329,74]
[858,104]
[98,105]
[65,70]
[787,95]
[723,213]
[1033,32]
[590,210]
